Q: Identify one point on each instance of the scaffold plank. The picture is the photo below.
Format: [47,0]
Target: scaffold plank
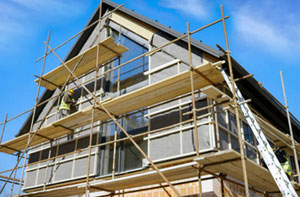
[214,93]
[58,76]
[259,177]
[140,98]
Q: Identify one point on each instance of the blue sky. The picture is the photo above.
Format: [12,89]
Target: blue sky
[264,37]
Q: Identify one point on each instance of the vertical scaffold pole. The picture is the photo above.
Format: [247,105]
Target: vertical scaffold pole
[3,128]
[290,128]
[194,107]
[22,174]
[236,109]
[95,99]
[13,183]
[216,125]
[114,152]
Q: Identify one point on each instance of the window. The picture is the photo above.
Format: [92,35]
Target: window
[232,123]
[235,143]
[223,139]
[34,157]
[165,119]
[131,74]
[221,116]
[248,134]
[62,149]
[251,153]
[127,155]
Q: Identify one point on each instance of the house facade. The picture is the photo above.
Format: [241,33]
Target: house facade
[162,125]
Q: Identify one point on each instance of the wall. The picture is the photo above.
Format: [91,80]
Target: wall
[210,188]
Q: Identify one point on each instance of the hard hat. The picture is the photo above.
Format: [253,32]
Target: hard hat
[71,90]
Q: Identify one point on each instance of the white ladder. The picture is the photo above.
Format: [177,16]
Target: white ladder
[281,179]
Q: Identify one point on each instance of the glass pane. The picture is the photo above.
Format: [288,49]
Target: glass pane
[130,75]
[251,153]
[132,157]
[235,143]
[232,123]
[127,155]
[248,135]
[108,150]
[165,119]
[136,123]
[200,104]
[223,139]
[221,116]
[83,143]
[34,157]
[45,153]
[66,148]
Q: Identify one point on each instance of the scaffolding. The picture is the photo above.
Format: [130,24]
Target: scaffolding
[204,77]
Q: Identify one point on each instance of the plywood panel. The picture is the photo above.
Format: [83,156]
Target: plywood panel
[215,93]
[108,50]
[134,25]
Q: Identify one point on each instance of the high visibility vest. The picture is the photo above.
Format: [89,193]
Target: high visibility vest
[64,105]
[286,167]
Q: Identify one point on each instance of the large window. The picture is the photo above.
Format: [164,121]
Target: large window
[130,76]
[228,134]
[127,157]
[62,149]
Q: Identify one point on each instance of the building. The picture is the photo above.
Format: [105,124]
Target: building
[151,99]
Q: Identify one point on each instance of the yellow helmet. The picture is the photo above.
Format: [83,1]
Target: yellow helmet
[71,90]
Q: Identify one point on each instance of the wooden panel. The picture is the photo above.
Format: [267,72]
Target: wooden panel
[214,93]
[134,25]
[20,142]
[140,98]
[258,176]
[108,50]
[275,134]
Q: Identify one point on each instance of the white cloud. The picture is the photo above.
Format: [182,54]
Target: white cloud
[196,8]
[266,27]
[259,32]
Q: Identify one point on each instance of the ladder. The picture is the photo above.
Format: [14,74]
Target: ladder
[281,179]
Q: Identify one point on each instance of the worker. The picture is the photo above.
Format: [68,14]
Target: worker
[66,102]
[284,161]
[287,167]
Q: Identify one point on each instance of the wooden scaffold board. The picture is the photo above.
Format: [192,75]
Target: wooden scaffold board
[107,51]
[166,89]
[259,177]
[229,163]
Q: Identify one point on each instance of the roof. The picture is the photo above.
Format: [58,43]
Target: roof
[262,100]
